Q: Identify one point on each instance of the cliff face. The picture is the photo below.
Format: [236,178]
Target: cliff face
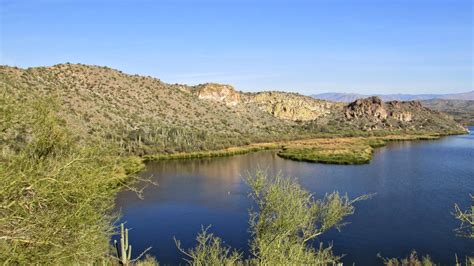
[291,106]
[404,111]
[374,108]
[282,105]
[372,113]
[371,107]
[219,93]
[366,114]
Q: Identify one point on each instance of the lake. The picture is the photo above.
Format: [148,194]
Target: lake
[416,183]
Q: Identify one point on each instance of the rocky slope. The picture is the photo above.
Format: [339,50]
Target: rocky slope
[372,113]
[367,114]
[282,105]
[145,115]
[350,97]
[461,110]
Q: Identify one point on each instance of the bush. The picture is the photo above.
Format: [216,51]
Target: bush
[210,251]
[411,260]
[288,219]
[57,194]
[467,220]
[284,226]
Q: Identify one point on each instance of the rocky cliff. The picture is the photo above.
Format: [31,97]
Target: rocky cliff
[291,106]
[367,114]
[282,105]
[373,108]
[218,93]
[372,113]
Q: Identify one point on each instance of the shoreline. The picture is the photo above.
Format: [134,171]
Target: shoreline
[328,150]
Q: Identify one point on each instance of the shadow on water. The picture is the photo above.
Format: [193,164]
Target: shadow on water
[417,184]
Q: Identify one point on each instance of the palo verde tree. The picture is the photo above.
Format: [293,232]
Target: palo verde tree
[57,191]
[284,225]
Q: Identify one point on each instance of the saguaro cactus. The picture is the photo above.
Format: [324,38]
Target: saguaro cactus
[124,252]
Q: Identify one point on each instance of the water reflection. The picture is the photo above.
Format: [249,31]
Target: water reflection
[417,184]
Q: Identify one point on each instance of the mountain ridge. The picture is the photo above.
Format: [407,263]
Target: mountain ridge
[145,115]
[350,97]
[458,105]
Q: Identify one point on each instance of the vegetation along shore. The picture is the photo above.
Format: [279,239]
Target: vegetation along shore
[336,150]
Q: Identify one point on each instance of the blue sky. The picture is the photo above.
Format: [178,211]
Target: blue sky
[362,46]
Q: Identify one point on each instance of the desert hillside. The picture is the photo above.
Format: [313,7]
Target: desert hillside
[461,110]
[145,115]
[350,97]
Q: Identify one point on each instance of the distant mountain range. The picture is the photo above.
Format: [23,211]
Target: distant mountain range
[350,97]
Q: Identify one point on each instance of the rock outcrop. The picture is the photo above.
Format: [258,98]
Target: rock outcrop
[374,109]
[403,116]
[371,107]
[403,111]
[218,93]
[367,114]
[291,106]
[282,105]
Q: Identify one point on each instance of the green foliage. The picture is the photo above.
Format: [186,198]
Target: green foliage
[148,260]
[467,220]
[210,251]
[354,155]
[284,225]
[353,150]
[288,218]
[57,193]
[132,164]
[217,153]
[411,260]
[467,224]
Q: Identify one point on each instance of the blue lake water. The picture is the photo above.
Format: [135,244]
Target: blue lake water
[416,183]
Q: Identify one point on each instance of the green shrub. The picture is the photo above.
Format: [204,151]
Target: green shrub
[467,220]
[57,194]
[411,260]
[288,219]
[284,225]
[467,225]
[210,251]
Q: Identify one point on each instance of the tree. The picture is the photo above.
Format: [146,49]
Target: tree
[284,225]
[467,224]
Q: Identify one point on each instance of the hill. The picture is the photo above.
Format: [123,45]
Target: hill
[145,115]
[461,110]
[350,97]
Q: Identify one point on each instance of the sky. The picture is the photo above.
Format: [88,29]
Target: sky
[357,46]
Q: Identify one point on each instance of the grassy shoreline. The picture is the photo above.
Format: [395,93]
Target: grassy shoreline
[330,150]
[355,150]
[216,153]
